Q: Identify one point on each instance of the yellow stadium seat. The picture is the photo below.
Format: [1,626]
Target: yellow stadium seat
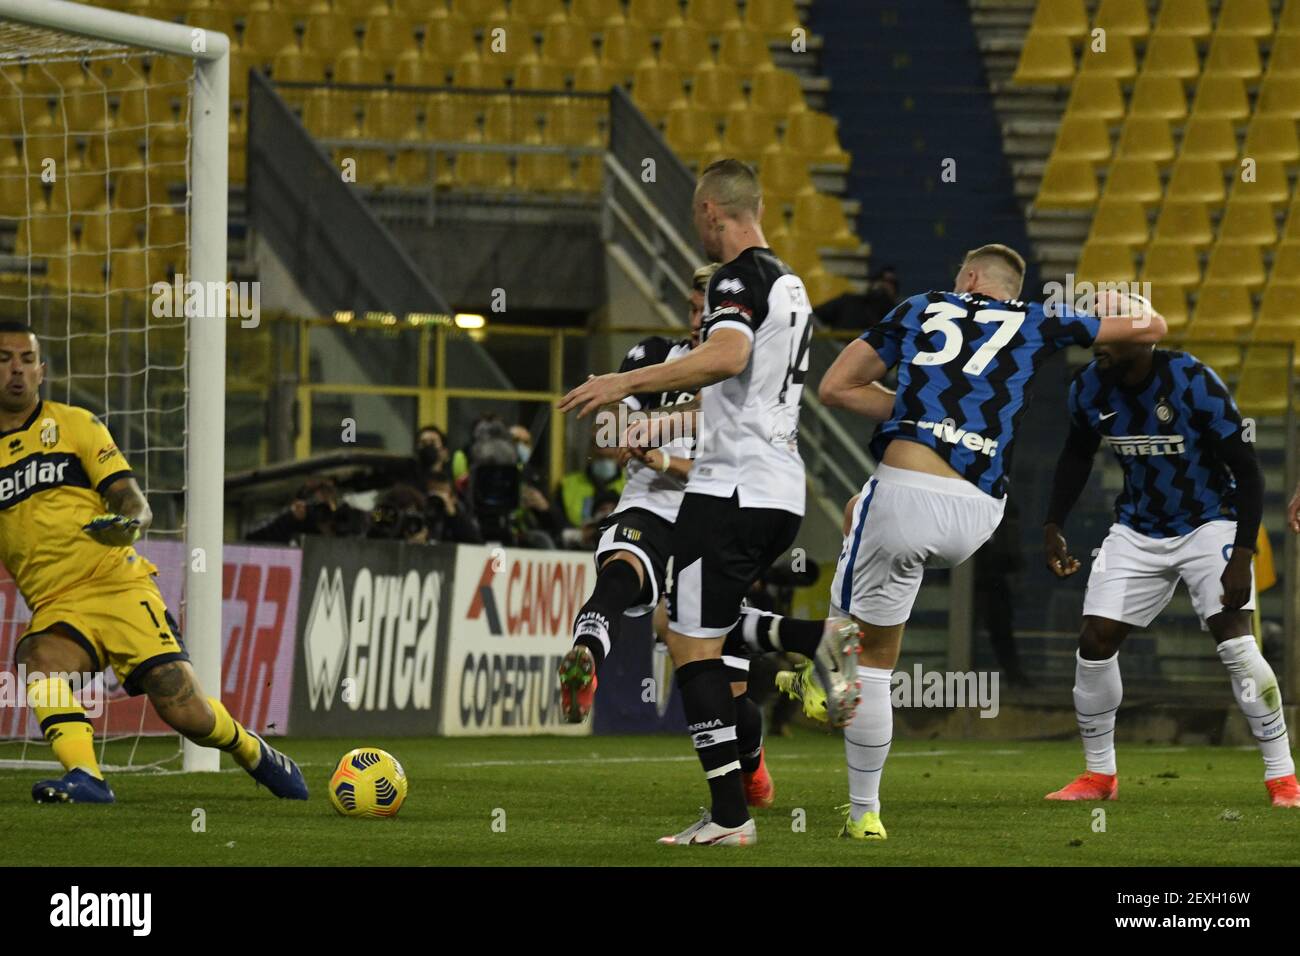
[389,36]
[1236,265]
[713,15]
[1209,139]
[539,76]
[1277,305]
[1221,97]
[748,135]
[773,18]
[138,188]
[625,46]
[373,168]
[1135,180]
[360,10]
[577,125]
[1045,60]
[483,171]
[267,32]
[448,39]
[802,260]
[116,150]
[118,229]
[169,143]
[716,91]
[1119,222]
[412,167]
[473,73]
[589,174]
[657,89]
[450,119]
[1123,18]
[1272,138]
[1066,18]
[1225,305]
[593,77]
[692,133]
[1263,372]
[544,172]
[295,66]
[43,236]
[776,93]
[596,13]
[1269,185]
[1068,184]
[1250,18]
[300,7]
[1171,302]
[819,219]
[1146,137]
[1288,24]
[1196,180]
[1171,264]
[783,178]
[354,66]
[1292,227]
[1233,56]
[78,192]
[508,44]
[216,20]
[413,69]
[823,286]
[1189,18]
[1279,96]
[538,13]
[1248,223]
[567,43]
[391,116]
[684,47]
[1284,58]
[1187,222]
[508,121]
[477,12]
[1083,138]
[81,272]
[1117,60]
[129,271]
[1286,265]
[1097,96]
[654,14]
[1172,55]
[815,136]
[1105,262]
[745,51]
[1160,97]
[328,35]
[165,227]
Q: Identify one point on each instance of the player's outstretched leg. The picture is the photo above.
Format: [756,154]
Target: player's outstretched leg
[831,644]
[174,691]
[1098,692]
[1255,687]
[619,584]
[760,791]
[869,733]
[47,658]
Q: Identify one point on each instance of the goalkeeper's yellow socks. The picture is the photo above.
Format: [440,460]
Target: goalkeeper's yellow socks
[64,723]
[229,735]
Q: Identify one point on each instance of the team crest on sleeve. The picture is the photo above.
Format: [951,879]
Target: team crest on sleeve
[49,432]
[730,285]
[1164,412]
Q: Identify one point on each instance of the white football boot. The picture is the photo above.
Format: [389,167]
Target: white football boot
[705,832]
[836,663]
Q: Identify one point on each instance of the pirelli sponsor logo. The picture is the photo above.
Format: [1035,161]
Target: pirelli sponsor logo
[1146,444]
[38,473]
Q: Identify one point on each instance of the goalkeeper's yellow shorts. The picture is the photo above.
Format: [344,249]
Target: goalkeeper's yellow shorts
[124,625]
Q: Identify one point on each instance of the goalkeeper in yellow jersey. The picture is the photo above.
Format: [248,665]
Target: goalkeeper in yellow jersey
[70,511]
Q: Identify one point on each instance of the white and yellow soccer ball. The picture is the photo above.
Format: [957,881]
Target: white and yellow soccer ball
[368,782]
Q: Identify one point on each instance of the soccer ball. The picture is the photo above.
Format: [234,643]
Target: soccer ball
[368,782]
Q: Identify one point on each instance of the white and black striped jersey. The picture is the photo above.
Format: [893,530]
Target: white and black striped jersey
[659,492]
[749,424]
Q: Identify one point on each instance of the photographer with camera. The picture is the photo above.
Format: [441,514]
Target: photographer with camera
[315,509]
[448,516]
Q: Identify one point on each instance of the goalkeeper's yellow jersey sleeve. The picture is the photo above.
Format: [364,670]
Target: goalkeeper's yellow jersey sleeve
[53,471]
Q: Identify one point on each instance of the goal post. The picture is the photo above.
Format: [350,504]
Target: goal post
[205,405]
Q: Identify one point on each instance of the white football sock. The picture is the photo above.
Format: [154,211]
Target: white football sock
[1098,691]
[867,739]
[1255,687]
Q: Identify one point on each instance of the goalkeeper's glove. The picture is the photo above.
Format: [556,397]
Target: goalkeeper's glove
[116,531]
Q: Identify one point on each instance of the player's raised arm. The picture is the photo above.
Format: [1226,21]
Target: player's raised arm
[1127,318]
[1072,470]
[853,382]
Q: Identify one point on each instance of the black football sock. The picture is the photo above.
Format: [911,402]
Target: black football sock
[596,626]
[711,721]
[749,733]
[765,632]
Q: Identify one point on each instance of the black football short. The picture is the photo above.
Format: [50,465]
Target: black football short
[647,536]
[719,550]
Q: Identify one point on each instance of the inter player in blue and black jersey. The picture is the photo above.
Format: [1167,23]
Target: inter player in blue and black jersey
[1189,510]
[965,362]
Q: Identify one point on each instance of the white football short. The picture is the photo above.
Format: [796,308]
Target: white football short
[904,522]
[1133,576]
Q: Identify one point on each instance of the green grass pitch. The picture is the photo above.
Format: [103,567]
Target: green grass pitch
[604,800]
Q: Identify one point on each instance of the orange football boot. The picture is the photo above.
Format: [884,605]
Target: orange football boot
[1284,791]
[577,684]
[1089,786]
[759,790]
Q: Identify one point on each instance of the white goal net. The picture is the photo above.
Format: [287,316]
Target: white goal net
[96,202]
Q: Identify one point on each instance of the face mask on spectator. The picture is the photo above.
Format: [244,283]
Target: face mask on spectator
[523,450]
[430,457]
[604,469]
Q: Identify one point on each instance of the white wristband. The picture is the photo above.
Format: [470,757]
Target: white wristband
[666,461]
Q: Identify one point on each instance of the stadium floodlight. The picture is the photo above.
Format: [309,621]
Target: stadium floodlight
[59,60]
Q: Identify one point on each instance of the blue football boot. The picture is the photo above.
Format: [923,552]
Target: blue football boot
[278,773]
[75,786]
